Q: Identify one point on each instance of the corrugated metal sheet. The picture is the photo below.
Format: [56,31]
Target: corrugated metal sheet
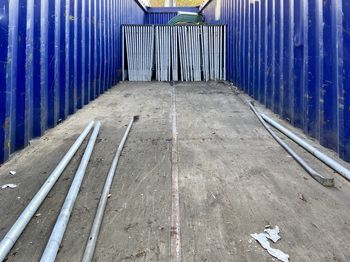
[291,55]
[56,56]
[294,57]
[162,15]
[189,53]
[159,18]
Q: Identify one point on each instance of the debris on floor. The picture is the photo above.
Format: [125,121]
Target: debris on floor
[263,239]
[8,186]
[301,197]
[12,172]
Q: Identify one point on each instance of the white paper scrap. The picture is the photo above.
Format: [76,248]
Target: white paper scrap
[273,234]
[263,239]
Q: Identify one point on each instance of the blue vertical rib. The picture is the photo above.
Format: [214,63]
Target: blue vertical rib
[72,90]
[21,109]
[29,70]
[344,140]
[329,134]
[53,91]
[63,108]
[313,62]
[44,64]
[4,91]
[11,78]
[298,64]
[58,60]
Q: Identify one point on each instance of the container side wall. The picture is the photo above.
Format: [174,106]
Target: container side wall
[55,57]
[294,57]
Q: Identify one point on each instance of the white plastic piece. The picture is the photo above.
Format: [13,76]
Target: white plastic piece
[273,235]
[8,186]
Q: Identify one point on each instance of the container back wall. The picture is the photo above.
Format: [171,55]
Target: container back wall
[294,57]
[55,57]
[161,16]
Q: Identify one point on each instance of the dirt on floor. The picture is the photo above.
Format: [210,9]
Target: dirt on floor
[234,180]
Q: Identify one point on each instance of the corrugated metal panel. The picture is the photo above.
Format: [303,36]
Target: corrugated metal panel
[294,57]
[159,18]
[189,52]
[56,56]
[162,15]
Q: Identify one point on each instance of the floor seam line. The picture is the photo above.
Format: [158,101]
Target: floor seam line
[175,238]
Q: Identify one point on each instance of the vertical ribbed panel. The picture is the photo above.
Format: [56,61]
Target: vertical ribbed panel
[189,53]
[56,56]
[159,18]
[293,56]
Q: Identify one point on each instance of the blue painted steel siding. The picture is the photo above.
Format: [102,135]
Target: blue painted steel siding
[162,15]
[5,96]
[294,57]
[159,18]
[55,57]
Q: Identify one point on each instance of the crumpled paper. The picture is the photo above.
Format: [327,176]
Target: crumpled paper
[263,239]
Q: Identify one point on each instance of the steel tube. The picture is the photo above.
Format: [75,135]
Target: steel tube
[321,156]
[18,227]
[95,230]
[123,55]
[56,237]
[224,54]
[328,182]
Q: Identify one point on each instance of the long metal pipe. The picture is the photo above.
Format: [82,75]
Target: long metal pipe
[123,50]
[328,182]
[95,230]
[56,237]
[321,156]
[18,227]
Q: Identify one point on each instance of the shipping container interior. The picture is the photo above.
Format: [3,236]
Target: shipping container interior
[291,56]
[197,153]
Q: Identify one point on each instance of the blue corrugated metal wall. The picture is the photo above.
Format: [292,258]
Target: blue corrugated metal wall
[56,56]
[291,55]
[162,15]
[159,18]
[294,57]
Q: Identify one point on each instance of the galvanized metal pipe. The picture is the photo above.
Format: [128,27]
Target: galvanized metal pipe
[328,182]
[56,237]
[199,51]
[95,230]
[169,51]
[198,54]
[178,29]
[136,36]
[128,51]
[18,227]
[224,54]
[211,64]
[156,54]
[123,55]
[321,156]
